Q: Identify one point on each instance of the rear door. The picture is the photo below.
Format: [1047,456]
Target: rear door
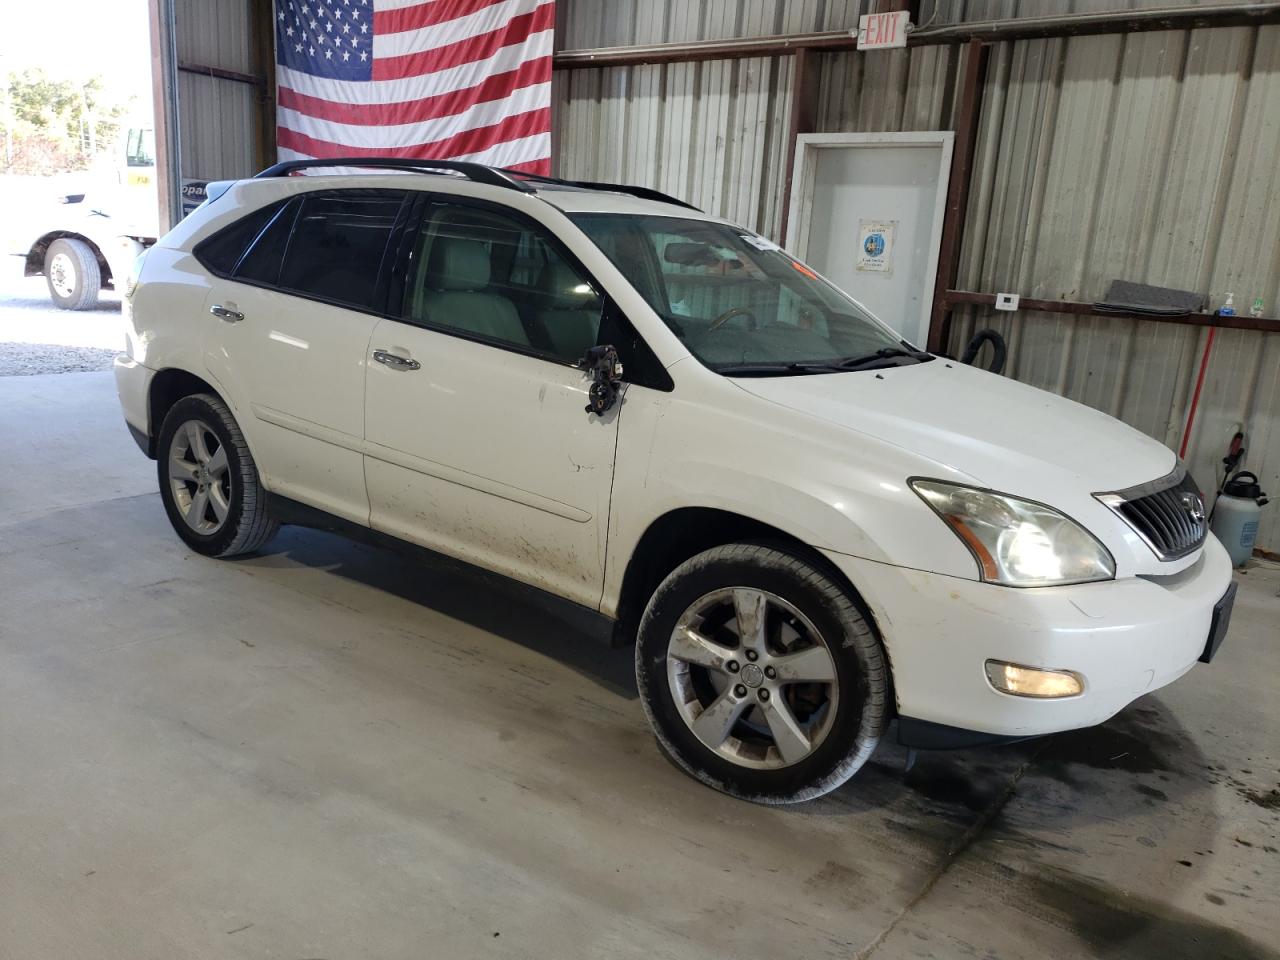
[294,316]
[478,441]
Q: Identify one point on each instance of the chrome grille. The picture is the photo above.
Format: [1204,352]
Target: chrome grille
[1168,514]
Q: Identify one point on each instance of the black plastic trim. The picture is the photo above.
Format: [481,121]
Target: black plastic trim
[643,193]
[927,735]
[144,442]
[296,513]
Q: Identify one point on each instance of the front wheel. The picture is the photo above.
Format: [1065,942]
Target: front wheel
[759,674]
[71,270]
[208,480]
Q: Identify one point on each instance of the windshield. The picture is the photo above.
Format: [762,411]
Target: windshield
[140,148]
[737,302]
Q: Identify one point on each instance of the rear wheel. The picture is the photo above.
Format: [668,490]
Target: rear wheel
[71,270]
[759,674]
[208,480]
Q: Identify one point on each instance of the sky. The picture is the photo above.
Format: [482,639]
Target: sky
[75,39]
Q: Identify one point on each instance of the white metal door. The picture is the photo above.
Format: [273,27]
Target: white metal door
[489,455]
[867,213]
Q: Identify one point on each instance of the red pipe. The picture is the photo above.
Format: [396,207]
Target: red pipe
[1195,397]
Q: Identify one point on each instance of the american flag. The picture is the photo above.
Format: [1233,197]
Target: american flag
[427,79]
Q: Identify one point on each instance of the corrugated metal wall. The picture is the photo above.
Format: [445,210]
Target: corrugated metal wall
[218,118]
[582,24]
[1150,157]
[936,12]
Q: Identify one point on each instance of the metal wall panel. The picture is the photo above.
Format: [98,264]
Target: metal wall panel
[219,119]
[710,133]
[216,33]
[937,12]
[218,124]
[1148,156]
[583,24]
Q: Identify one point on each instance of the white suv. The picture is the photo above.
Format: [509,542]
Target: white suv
[808,526]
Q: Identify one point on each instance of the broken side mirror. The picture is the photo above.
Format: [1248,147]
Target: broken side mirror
[605,370]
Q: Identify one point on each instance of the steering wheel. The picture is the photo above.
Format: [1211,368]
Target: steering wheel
[729,314]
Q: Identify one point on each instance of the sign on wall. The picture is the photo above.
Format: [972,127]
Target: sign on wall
[883,31]
[875,246]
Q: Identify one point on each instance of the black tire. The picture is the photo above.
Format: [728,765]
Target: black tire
[247,525]
[862,705]
[84,274]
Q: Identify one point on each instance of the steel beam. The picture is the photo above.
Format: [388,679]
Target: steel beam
[1020,28]
[958,297]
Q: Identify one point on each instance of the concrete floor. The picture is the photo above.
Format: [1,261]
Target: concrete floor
[329,751]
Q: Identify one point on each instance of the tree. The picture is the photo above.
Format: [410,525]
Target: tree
[58,121]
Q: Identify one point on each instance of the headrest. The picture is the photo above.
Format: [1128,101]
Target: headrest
[562,288]
[458,264]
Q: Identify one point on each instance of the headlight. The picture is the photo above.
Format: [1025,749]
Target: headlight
[1018,543]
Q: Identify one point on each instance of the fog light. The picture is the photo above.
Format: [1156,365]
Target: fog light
[1032,682]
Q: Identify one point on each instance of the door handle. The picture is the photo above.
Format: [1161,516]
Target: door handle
[395,361]
[225,313]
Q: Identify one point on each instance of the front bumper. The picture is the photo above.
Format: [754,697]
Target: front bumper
[1126,637]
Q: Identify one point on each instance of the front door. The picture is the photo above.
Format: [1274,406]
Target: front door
[478,443]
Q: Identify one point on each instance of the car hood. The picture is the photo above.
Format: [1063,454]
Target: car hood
[1001,433]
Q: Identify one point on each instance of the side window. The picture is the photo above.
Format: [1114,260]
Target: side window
[336,248]
[486,274]
[261,262]
[221,252]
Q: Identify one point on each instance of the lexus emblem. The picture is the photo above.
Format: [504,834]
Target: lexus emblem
[1194,506]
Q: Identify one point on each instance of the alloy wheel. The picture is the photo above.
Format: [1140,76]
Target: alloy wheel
[752,677]
[199,477]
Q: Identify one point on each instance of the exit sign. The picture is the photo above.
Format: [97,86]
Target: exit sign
[883,31]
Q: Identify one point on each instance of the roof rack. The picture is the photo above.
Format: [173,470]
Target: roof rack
[478,172]
[644,193]
[472,171]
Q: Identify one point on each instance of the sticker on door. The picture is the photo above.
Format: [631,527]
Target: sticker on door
[875,246]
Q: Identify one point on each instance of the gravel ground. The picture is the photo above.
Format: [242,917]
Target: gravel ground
[25,359]
[36,337]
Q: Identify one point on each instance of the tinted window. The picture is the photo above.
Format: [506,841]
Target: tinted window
[337,244]
[490,275]
[261,263]
[221,252]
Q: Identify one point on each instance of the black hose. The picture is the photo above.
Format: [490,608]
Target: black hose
[1001,350]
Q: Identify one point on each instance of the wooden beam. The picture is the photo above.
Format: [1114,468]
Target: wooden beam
[804,116]
[164,99]
[264,62]
[967,120]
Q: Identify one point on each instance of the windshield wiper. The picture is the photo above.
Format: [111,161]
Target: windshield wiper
[883,357]
[792,369]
